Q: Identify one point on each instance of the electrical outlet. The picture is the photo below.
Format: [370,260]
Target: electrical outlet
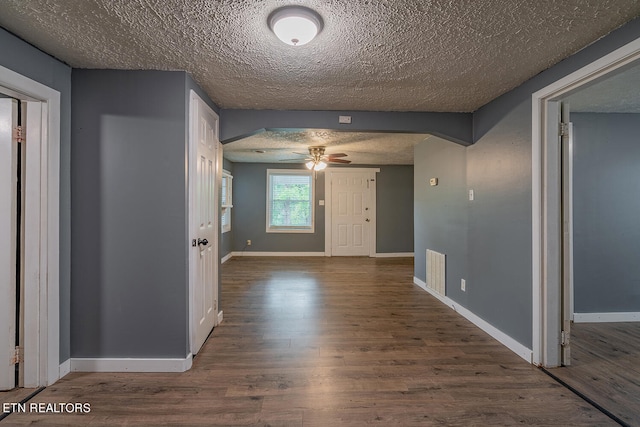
[248,242]
[463,285]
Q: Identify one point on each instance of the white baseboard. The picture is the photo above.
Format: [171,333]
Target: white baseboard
[501,337]
[220,317]
[606,317]
[65,368]
[396,255]
[226,258]
[250,253]
[130,365]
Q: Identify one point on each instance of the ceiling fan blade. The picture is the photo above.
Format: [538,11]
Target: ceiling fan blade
[339,161]
[336,155]
[295,160]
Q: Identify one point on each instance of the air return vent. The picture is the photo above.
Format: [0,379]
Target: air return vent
[436,271]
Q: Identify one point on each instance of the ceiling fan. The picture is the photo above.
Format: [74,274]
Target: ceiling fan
[318,160]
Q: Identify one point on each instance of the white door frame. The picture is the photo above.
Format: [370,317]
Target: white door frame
[327,207]
[8,233]
[546,219]
[196,102]
[42,227]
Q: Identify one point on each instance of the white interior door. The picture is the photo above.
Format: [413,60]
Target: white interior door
[205,206]
[352,213]
[8,230]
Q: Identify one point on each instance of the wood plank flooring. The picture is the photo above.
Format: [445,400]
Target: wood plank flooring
[605,366]
[15,395]
[328,342]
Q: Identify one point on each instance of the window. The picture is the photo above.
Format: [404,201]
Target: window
[290,195]
[226,201]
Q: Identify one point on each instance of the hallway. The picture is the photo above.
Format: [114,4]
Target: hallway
[328,342]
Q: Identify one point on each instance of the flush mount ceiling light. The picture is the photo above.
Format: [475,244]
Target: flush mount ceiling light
[295,25]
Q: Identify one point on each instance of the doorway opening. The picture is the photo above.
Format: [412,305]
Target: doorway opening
[584,228]
[547,192]
[601,307]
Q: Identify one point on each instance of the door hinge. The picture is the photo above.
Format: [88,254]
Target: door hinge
[564,129]
[564,338]
[18,356]
[18,134]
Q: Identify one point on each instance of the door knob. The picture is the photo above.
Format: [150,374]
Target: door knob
[203,242]
[368,220]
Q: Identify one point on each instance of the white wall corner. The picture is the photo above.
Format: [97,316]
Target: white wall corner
[220,317]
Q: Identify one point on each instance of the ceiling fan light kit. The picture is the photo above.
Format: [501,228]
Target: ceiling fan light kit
[295,25]
[319,160]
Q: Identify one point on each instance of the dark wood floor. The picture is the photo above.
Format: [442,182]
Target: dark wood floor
[606,367]
[329,342]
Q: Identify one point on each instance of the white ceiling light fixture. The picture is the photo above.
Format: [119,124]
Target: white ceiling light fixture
[295,25]
[316,165]
[318,160]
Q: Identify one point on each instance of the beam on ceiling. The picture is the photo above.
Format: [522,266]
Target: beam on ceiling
[455,127]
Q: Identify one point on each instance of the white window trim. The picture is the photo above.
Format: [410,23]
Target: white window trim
[304,172]
[226,207]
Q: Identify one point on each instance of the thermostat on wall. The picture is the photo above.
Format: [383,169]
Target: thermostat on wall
[433,182]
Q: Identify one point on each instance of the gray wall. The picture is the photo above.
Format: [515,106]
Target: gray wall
[500,264]
[606,180]
[441,211]
[394,206]
[499,287]
[129,270]
[23,58]
[249,213]
[487,241]
[499,252]
[394,209]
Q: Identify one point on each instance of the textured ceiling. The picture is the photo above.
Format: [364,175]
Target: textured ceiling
[373,55]
[364,148]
